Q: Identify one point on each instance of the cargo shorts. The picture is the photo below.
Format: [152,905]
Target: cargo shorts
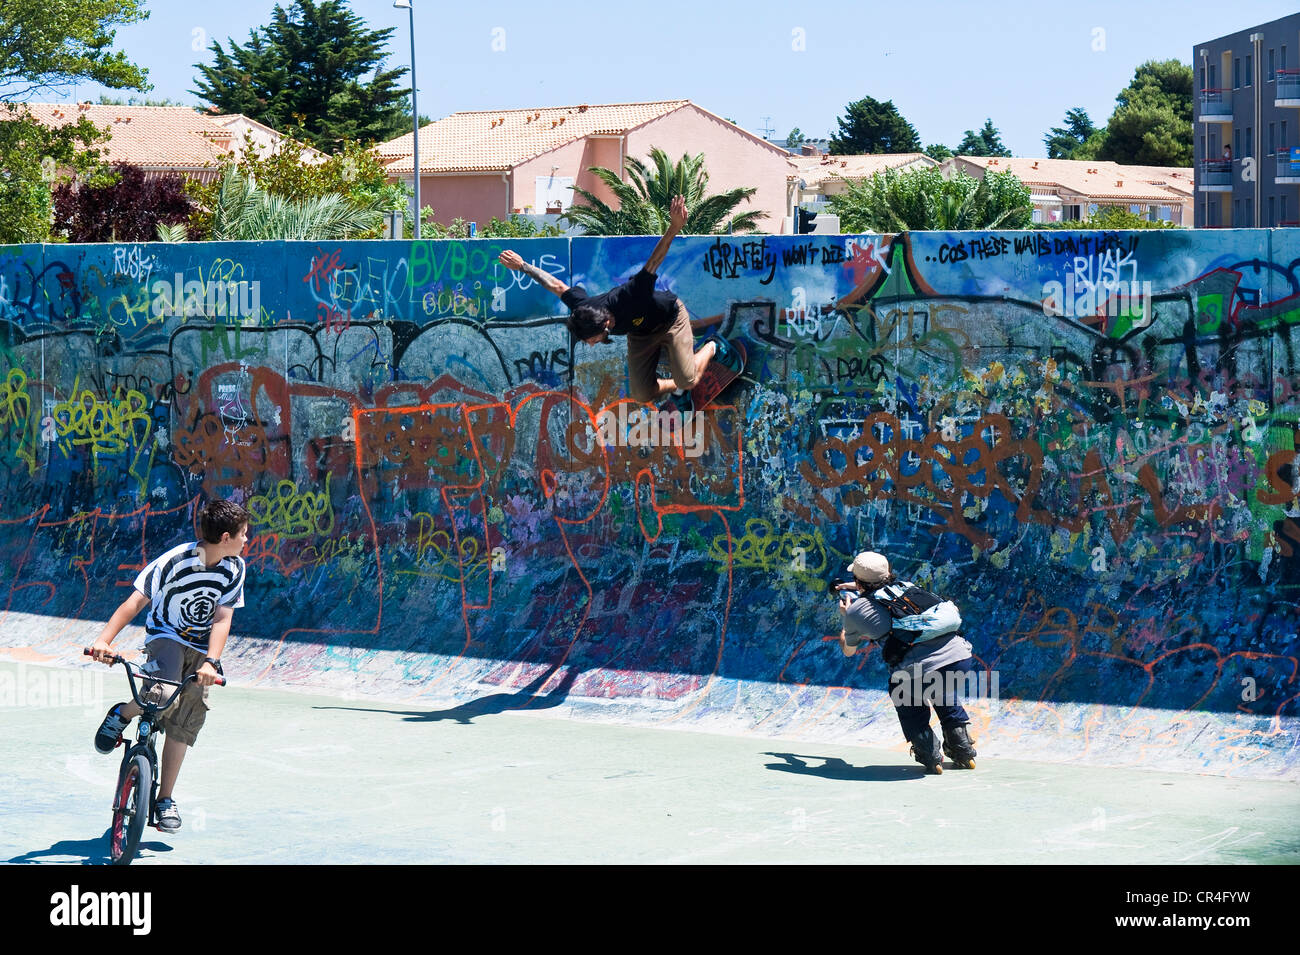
[170,660]
[643,352]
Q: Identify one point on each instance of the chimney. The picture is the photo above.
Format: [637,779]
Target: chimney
[808,150]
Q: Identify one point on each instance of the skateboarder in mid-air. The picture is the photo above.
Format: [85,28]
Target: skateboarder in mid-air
[652,320]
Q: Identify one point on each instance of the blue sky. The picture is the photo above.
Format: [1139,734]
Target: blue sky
[946,65]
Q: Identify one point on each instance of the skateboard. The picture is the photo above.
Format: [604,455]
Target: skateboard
[724,368]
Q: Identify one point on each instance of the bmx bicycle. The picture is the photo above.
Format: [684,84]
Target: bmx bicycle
[135,800]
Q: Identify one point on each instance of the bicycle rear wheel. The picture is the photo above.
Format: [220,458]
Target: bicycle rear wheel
[131,809]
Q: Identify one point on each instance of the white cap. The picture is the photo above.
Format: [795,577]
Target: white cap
[870,567]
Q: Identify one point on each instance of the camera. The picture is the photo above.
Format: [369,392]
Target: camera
[833,585]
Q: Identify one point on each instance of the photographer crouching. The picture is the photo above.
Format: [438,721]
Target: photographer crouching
[921,643]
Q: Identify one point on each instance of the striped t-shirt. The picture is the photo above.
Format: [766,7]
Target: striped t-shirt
[184,593]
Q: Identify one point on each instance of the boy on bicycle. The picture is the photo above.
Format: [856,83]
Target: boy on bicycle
[192,592]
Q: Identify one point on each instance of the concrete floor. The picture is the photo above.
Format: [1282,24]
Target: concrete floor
[281,777]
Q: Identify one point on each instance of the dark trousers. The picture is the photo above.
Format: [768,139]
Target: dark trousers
[914,710]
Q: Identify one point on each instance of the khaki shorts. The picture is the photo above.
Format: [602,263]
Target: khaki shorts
[643,358]
[170,660]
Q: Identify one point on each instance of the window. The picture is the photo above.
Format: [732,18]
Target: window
[1281,209]
[1236,73]
[1271,70]
[1250,142]
[1236,213]
[1249,73]
[1271,221]
[1281,60]
[1283,141]
[1272,139]
[1214,146]
[1236,142]
[1203,87]
[1250,213]
[1214,78]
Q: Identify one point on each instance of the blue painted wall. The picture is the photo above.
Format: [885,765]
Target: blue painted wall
[1087,439]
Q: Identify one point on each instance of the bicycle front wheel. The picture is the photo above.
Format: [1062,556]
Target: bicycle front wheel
[131,809]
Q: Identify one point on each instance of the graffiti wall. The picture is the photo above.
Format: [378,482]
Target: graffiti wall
[1088,440]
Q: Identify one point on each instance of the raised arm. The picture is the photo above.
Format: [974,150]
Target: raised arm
[676,219]
[515,263]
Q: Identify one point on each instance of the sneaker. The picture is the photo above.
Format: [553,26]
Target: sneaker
[169,817]
[109,733]
[725,353]
[682,401]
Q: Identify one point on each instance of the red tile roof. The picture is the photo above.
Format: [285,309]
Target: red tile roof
[815,170]
[156,137]
[501,139]
[1092,179]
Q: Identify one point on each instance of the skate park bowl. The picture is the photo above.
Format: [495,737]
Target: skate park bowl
[1086,440]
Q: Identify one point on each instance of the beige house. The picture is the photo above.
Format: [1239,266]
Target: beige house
[1067,190]
[480,165]
[164,139]
[821,176]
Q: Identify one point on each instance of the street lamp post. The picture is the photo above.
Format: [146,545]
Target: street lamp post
[415,110]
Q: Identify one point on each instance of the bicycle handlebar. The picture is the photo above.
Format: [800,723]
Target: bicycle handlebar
[131,675]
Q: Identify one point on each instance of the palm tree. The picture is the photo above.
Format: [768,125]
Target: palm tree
[922,199]
[244,212]
[644,199]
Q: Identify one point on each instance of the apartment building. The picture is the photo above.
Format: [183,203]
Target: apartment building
[1246,127]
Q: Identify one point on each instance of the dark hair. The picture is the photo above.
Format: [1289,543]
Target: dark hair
[221,517]
[875,585]
[586,321]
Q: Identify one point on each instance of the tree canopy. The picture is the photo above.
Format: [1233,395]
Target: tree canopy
[987,142]
[921,199]
[48,45]
[645,198]
[1152,122]
[317,69]
[1063,141]
[870,126]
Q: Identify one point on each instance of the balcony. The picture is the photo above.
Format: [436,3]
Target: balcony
[1288,88]
[1216,176]
[1216,106]
[1287,172]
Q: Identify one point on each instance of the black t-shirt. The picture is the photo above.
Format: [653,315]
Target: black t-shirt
[638,308]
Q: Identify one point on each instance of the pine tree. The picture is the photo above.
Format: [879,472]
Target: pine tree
[987,142]
[870,126]
[1063,141]
[316,69]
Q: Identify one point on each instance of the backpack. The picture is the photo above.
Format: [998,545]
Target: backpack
[918,616]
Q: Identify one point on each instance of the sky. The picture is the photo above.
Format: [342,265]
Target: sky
[769,66]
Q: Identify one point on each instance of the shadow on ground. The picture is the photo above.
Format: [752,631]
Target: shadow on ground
[526,698]
[832,767]
[83,851]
